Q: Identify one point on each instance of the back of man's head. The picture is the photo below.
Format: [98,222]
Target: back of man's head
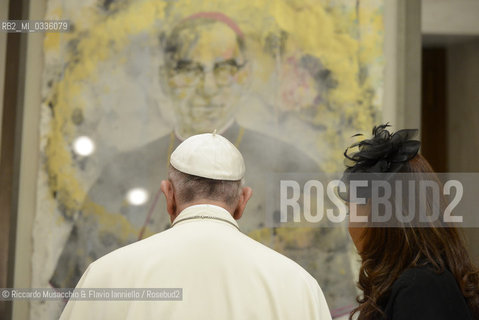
[206,169]
[191,189]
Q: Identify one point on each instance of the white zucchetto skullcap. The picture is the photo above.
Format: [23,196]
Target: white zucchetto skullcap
[209,155]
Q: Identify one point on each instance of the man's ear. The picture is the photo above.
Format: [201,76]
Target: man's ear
[167,189]
[245,195]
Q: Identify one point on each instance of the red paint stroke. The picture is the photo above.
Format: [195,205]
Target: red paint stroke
[218,16]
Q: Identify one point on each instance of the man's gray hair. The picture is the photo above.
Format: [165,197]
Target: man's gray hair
[189,188]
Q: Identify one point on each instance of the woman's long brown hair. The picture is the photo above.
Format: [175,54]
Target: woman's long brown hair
[387,252]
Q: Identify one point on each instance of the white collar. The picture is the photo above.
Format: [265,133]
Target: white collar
[205,211]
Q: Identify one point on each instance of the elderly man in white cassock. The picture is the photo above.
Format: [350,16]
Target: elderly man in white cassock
[223,273]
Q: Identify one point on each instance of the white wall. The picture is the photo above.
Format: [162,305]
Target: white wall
[402,50]
[450,17]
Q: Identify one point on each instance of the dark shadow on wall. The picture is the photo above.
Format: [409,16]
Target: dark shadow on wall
[11,145]
[433,113]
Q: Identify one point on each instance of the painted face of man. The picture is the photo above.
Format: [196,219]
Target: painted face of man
[206,75]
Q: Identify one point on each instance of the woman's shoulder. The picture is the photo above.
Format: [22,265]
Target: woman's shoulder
[424,293]
[424,278]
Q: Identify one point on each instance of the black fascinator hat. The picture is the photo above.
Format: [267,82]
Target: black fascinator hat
[384,152]
[381,156]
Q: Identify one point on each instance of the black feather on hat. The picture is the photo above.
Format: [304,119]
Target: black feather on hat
[381,156]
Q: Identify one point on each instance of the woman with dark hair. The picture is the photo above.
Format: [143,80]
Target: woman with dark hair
[408,271]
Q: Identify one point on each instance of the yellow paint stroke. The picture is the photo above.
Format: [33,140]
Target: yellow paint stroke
[115,223]
[317,30]
[285,238]
[107,36]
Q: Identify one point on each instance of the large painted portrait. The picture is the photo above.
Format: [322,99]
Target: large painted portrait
[287,82]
